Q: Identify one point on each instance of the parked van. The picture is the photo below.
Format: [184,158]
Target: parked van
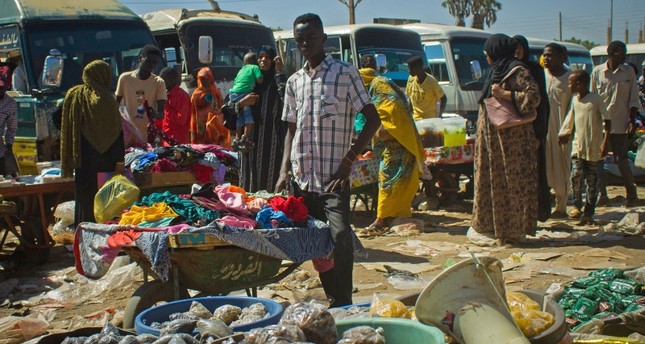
[635,54]
[391,45]
[233,34]
[456,60]
[79,31]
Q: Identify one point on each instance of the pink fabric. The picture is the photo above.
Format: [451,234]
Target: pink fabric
[175,229]
[237,221]
[232,200]
[323,264]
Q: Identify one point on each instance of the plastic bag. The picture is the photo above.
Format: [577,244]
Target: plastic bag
[532,322]
[363,335]
[520,301]
[274,334]
[65,211]
[314,320]
[132,136]
[640,154]
[389,308]
[113,197]
[20,329]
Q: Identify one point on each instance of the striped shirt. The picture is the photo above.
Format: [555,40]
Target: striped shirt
[322,102]
[8,122]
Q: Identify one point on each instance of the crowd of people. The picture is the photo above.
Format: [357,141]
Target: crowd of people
[300,133]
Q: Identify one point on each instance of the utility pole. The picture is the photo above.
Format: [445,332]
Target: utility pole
[611,21]
[626,32]
[351,5]
[560,24]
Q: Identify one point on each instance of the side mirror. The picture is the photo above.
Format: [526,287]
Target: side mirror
[381,61]
[53,69]
[205,51]
[476,69]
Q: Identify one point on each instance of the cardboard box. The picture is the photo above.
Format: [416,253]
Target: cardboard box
[164,179]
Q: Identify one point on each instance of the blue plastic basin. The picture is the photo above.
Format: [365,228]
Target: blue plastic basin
[162,313]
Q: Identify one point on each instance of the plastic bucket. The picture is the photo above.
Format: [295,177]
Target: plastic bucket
[162,313]
[397,331]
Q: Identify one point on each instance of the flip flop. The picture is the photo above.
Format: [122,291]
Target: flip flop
[372,231]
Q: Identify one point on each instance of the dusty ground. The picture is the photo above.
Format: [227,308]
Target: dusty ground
[568,252]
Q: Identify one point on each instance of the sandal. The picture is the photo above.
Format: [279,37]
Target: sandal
[372,231]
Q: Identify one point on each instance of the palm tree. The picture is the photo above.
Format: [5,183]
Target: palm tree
[460,9]
[484,12]
[351,5]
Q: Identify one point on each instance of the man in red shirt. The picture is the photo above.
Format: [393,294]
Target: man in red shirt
[176,119]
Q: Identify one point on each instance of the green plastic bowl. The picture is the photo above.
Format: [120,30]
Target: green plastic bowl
[396,331]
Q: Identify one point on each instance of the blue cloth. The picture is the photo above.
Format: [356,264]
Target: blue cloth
[266,216]
[247,113]
[148,158]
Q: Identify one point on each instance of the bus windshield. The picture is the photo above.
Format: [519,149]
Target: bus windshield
[397,46]
[230,43]
[465,50]
[80,42]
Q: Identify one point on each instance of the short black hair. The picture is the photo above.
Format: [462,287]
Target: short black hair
[308,18]
[150,49]
[368,61]
[415,61]
[616,46]
[169,72]
[558,48]
[582,75]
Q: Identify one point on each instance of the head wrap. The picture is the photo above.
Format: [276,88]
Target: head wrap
[268,74]
[500,48]
[524,43]
[367,74]
[89,110]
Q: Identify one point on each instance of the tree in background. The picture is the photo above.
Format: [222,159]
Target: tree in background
[460,9]
[351,5]
[587,44]
[483,11]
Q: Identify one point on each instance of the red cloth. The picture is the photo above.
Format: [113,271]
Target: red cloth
[122,238]
[176,120]
[293,207]
[203,173]
[164,165]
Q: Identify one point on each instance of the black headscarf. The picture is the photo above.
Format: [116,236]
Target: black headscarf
[501,50]
[269,74]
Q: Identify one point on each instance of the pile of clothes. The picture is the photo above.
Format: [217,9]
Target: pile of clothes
[209,163]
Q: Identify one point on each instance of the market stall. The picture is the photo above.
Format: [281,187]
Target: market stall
[33,235]
[449,155]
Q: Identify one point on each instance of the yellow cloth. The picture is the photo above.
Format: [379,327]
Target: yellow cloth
[402,156]
[91,111]
[138,214]
[424,96]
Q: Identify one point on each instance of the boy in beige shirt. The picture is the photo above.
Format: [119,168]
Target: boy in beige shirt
[589,147]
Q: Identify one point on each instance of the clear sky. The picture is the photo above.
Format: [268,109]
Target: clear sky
[583,19]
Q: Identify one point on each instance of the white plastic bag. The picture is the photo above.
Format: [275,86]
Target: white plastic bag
[640,153]
[65,211]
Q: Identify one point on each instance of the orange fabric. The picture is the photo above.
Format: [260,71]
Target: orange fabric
[207,121]
[122,238]
[234,188]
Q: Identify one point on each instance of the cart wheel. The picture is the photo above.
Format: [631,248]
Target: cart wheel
[147,295]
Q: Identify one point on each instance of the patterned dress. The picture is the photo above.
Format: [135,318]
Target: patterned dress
[400,155]
[505,200]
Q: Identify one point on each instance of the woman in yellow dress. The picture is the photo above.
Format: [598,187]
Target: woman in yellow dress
[397,146]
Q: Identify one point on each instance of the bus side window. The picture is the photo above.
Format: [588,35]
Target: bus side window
[333,47]
[171,56]
[437,61]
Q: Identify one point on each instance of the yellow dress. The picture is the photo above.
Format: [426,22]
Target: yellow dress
[401,155]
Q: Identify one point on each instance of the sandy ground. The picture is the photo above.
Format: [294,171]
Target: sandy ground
[561,252]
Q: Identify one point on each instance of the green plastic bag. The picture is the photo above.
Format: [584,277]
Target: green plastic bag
[113,197]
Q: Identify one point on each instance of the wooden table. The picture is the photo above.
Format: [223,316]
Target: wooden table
[39,190]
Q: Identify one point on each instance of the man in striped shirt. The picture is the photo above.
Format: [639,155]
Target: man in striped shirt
[8,123]
[321,102]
